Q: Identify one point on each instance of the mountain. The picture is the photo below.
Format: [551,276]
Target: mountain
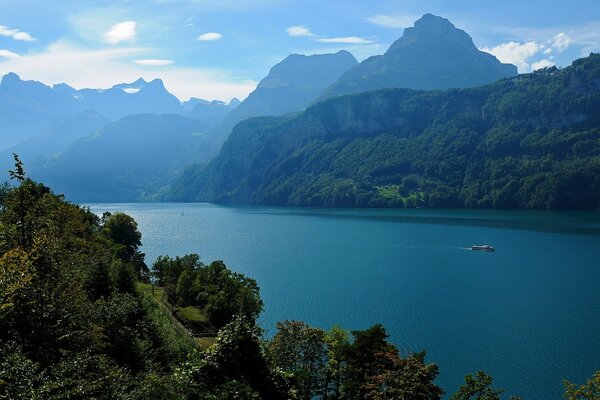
[532,141]
[29,107]
[129,98]
[36,151]
[125,160]
[211,113]
[290,86]
[433,54]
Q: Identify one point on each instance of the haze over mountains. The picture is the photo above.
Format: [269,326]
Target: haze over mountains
[325,142]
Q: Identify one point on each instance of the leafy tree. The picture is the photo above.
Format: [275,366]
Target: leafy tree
[478,387]
[408,379]
[337,341]
[122,230]
[362,360]
[300,350]
[589,391]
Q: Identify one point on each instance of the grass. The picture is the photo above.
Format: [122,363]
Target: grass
[191,313]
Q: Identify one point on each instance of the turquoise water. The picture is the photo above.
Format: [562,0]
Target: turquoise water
[528,314]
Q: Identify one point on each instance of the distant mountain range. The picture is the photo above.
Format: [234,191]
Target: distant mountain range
[531,141]
[29,108]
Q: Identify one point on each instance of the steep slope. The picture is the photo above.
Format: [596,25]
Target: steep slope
[532,141]
[433,54]
[290,86]
[124,161]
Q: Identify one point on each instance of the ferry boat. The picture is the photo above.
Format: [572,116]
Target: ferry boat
[483,247]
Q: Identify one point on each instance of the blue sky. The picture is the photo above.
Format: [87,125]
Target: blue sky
[221,49]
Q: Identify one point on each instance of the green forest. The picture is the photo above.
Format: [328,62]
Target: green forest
[83,317]
[532,141]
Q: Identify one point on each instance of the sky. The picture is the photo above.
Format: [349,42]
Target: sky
[217,50]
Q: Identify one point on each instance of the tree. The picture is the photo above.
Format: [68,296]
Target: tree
[362,359]
[408,379]
[337,341]
[589,391]
[477,387]
[122,230]
[300,349]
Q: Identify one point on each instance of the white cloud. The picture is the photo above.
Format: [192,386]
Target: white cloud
[299,30]
[205,37]
[515,53]
[121,32]
[8,54]
[561,41]
[393,21]
[347,39]
[302,31]
[80,68]
[15,34]
[154,62]
[548,51]
[541,64]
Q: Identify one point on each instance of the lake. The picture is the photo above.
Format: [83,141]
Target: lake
[528,314]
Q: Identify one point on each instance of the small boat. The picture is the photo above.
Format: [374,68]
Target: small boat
[483,247]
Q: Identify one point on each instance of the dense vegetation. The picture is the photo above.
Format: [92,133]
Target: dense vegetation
[532,141]
[75,324]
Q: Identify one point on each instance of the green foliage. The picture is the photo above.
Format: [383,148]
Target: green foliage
[478,387]
[589,391]
[72,324]
[532,141]
[219,292]
[408,379]
[300,349]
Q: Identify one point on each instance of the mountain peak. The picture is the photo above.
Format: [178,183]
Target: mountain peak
[9,78]
[431,22]
[433,30]
[433,54]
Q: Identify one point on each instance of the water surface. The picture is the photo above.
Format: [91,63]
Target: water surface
[528,314]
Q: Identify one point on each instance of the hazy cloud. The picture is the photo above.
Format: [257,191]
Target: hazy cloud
[8,54]
[205,37]
[515,53]
[561,41]
[393,21]
[347,39]
[121,32]
[154,62]
[15,34]
[299,30]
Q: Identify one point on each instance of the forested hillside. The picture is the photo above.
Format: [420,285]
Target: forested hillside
[531,141]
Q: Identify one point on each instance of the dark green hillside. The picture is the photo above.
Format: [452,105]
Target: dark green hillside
[532,141]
